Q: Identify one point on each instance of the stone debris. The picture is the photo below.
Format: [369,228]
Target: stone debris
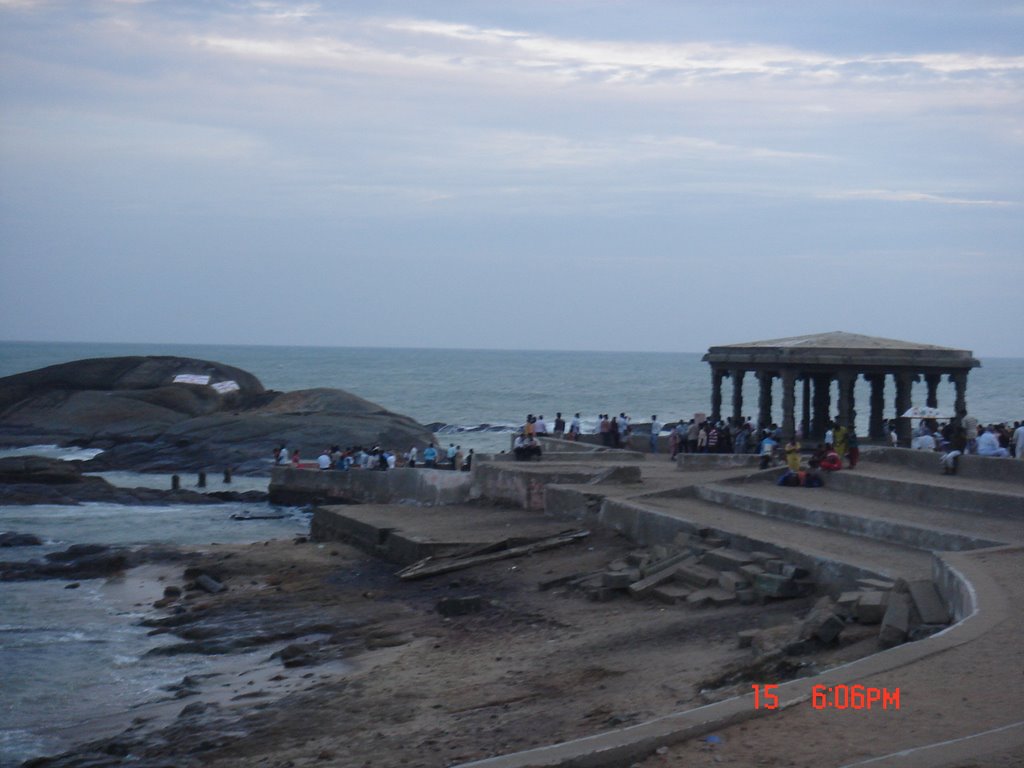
[698,570]
[896,623]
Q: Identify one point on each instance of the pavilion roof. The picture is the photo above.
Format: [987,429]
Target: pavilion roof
[839,348]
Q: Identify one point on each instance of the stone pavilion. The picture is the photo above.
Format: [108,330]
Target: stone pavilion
[820,359]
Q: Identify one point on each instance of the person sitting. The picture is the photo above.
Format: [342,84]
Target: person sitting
[988,445]
[324,459]
[768,446]
[525,448]
[793,454]
[831,462]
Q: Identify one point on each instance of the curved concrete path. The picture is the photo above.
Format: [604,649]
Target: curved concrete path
[962,691]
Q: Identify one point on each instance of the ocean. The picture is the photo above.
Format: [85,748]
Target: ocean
[71,658]
[477,397]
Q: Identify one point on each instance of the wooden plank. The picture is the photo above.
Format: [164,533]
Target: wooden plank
[432,567]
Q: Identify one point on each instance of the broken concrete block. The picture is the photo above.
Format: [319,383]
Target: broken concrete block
[642,587]
[460,606]
[896,622]
[638,558]
[745,637]
[618,579]
[710,596]
[671,594]
[746,596]
[927,603]
[774,585]
[725,559]
[881,584]
[600,594]
[750,570]
[822,624]
[715,542]
[696,575]
[731,581]
[871,606]
[773,566]
[618,565]
[659,565]
[791,571]
[761,557]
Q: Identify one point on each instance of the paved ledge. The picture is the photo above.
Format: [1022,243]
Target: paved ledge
[983,605]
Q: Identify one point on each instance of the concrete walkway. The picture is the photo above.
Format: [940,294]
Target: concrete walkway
[961,691]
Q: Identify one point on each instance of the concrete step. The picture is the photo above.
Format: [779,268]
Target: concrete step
[935,491]
[869,518]
[830,556]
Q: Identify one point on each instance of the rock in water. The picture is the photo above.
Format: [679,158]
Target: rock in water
[181,414]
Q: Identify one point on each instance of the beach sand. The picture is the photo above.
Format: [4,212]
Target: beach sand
[386,680]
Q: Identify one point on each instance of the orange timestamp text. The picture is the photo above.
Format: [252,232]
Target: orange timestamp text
[834,697]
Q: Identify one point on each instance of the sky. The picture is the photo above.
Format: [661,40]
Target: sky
[645,175]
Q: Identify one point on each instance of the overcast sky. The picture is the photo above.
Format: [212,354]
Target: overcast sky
[536,174]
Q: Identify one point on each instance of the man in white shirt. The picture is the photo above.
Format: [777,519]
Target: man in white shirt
[655,430]
[1018,441]
[324,459]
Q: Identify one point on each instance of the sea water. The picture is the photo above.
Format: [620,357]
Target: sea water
[477,397]
[72,658]
[69,655]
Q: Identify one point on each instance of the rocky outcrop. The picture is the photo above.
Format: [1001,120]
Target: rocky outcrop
[134,408]
[38,480]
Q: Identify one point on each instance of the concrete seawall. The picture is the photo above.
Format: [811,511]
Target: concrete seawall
[424,487]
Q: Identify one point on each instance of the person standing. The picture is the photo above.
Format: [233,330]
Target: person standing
[853,447]
[574,428]
[655,431]
[793,454]
[559,426]
[1018,441]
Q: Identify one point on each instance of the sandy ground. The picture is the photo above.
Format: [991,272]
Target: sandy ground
[391,682]
[945,699]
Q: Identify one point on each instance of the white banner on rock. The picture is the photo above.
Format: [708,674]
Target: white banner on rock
[226,386]
[191,378]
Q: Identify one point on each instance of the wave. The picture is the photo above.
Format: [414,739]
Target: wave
[440,428]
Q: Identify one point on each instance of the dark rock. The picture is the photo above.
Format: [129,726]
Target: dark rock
[12,539]
[76,551]
[209,584]
[36,469]
[460,606]
[131,407]
[296,655]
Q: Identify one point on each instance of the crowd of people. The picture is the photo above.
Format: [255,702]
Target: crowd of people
[969,437]
[377,458]
[696,435]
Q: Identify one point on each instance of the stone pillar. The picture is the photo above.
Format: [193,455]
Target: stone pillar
[904,381]
[788,403]
[806,406]
[717,374]
[822,403]
[764,398]
[959,380]
[847,414]
[737,394]
[933,380]
[876,423]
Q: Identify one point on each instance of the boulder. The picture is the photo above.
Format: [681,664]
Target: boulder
[133,408]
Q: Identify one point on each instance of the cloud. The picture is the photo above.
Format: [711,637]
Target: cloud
[907,196]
